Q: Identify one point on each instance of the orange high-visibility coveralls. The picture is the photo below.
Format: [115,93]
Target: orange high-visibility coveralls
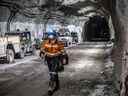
[52,52]
[52,48]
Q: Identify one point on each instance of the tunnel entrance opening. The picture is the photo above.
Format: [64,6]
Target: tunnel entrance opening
[96,29]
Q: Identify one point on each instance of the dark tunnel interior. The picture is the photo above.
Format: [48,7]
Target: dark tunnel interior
[96,29]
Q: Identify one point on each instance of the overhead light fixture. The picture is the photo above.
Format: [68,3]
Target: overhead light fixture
[95,1]
[91,14]
[88,8]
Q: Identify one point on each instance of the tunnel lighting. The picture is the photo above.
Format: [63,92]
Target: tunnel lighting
[91,14]
[95,1]
[69,2]
[88,8]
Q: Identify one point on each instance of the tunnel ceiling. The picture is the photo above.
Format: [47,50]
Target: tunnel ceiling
[53,8]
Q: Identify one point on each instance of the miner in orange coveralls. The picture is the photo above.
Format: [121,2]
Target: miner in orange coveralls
[52,49]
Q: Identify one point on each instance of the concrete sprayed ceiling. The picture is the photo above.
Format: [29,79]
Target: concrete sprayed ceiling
[56,10]
[40,7]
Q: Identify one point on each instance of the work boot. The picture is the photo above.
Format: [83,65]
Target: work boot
[50,91]
[51,88]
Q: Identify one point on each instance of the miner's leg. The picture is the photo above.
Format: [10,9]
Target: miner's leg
[54,80]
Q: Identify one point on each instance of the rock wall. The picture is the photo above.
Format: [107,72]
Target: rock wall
[19,22]
[122,13]
[119,13]
[4,14]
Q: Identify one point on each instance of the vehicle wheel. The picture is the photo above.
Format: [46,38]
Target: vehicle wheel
[10,56]
[21,54]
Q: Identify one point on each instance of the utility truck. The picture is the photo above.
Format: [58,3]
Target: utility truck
[15,45]
[9,45]
[65,36]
